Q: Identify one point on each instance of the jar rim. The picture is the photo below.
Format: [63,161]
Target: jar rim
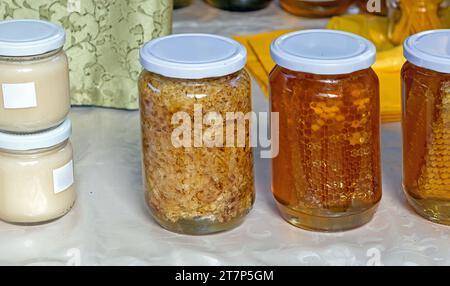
[323,52]
[31,58]
[429,49]
[193,56]
[40,140]
[27,37]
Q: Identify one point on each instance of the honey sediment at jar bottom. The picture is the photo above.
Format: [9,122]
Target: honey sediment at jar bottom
[426,131]
[327,175]
[194,190]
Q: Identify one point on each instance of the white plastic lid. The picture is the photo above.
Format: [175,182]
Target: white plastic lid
[324,52]
[45,139]
[19,38]
[193,56]
[430,50]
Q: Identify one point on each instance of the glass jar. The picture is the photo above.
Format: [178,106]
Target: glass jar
[426,118]
[195,182]
[239,5]
[34,76]
[374,7]
[36,175]
[316,8]
[408,17]
[327,175]
[177,4]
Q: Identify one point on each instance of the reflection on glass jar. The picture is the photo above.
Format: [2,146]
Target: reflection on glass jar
[239,5]
[408,17]
[426,121]
[196,183]
[36,175]
[327,175]
[316,8]
[34,76]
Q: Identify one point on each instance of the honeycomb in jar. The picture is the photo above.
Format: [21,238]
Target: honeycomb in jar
[195,183]
[329,158]
[426,133]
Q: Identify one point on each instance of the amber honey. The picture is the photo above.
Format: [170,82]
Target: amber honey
[316,9]
[426,141]
[327,175]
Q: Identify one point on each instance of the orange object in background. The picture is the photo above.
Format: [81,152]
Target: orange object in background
[408,17]
[389,58]
[316,9]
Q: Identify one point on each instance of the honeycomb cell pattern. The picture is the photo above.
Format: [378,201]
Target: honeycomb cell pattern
[426,133]
[195,190]
[329,159]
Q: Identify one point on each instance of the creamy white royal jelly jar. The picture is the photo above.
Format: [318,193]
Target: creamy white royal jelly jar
[36,176]
[34,76]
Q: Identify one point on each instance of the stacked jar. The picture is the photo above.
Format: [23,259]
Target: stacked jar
[36,165]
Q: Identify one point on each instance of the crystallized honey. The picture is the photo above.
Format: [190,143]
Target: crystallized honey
[197,156]
[194,190]
[426,136]
[327,175]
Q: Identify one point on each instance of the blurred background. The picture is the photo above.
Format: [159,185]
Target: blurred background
[104,37]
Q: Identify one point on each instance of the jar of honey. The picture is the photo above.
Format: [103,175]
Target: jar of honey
[197,157]
[327,174]
[426,121]
[316,8]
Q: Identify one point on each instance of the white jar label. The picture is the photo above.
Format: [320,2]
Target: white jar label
[63,178]
[19,95]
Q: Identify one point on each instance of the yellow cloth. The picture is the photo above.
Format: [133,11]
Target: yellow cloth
[259,62]
[389,59]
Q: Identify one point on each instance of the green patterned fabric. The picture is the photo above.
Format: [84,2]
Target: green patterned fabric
[103,41]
